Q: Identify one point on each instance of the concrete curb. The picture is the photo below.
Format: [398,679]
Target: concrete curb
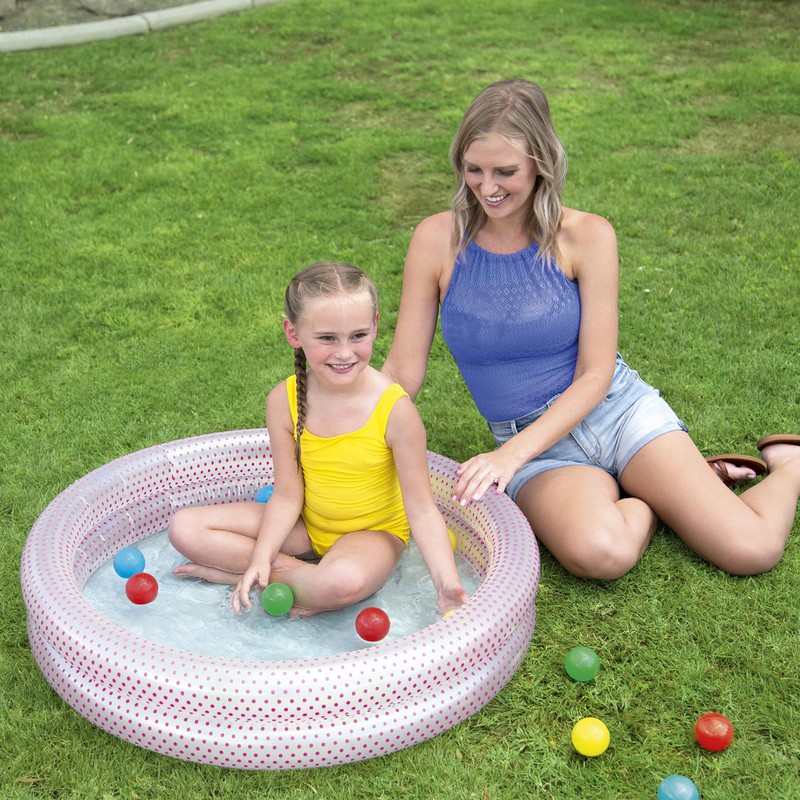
[124,26]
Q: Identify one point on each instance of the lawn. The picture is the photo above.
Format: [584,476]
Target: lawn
[157,193]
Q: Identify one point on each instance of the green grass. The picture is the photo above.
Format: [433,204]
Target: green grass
[156,194]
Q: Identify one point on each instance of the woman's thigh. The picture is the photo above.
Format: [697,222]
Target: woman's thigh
[574,512]
[671,475]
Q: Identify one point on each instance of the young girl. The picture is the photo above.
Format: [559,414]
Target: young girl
[528,296]
[351,472]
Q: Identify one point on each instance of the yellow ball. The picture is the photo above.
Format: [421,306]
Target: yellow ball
[590,737]
[453,541]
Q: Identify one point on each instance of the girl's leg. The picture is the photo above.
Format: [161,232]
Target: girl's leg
[356,566]
[577,513]
[742,534]
[219,540]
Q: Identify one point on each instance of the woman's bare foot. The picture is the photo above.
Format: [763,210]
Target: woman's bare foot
[781,455]
[735,470]
[210,574]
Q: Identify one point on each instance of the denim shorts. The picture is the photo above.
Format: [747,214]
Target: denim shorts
[631,416]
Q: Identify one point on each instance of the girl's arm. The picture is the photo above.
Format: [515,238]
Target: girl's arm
[405,434]
[589,248]
[426,258]
[283,509]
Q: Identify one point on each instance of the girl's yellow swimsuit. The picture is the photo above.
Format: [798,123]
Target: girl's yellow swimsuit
[351,482]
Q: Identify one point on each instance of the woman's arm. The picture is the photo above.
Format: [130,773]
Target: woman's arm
[405,434]
[589,251]
[283,509]
[426,263]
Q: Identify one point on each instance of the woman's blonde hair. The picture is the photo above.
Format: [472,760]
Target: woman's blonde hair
[517,110]
[323,279]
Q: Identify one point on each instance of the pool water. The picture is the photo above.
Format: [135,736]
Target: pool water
[196,616]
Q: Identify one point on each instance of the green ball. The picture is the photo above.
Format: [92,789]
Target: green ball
[277,599]
[582,664]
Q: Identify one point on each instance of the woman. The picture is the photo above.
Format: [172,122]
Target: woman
[528,296]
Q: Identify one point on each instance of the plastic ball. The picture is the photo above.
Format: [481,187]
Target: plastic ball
[264,494]
[582,664]
[453,540]
[590,737]
[677,787]
[713,731]
[128,561]
[372,624]
[277,599]
[141,588]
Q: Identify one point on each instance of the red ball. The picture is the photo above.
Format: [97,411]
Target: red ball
[141,588]
[372,624]
[713,731]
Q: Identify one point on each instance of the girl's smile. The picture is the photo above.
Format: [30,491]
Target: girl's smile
[336,334]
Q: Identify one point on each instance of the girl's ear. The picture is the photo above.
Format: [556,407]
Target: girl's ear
[375,324]
[291,334]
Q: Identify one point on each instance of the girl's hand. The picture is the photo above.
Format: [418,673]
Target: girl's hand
[254,575]
[450,598]
[481,473]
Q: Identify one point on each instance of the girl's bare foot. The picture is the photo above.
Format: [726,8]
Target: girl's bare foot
[210,574]
[298,612]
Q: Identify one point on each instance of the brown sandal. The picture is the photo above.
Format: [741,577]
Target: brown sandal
[778,438]
[717,463]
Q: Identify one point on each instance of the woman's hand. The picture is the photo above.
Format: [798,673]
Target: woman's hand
[481,473]
[254,575]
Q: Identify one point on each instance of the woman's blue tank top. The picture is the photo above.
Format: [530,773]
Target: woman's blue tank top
[511,323]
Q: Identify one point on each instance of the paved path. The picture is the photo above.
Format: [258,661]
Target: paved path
[124,26]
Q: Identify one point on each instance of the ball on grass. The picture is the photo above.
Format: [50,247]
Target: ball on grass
[713,731]
[677,787]
[590,737]
[582,664]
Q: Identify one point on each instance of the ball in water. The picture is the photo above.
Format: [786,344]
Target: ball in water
[582,664]
[590,737]
[264,494]
[141,588]
[277,599]
[372,624]
[677,787]
[128,561]
[713,731]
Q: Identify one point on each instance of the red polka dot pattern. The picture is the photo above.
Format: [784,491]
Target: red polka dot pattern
[264,715]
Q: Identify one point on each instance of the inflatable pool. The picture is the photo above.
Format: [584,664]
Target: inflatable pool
[264,715]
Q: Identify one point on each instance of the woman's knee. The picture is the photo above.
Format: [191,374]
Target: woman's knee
[749,554]
[599,554]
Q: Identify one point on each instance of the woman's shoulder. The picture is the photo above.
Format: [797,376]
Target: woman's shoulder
[584,238]
[578,226]
[435,228]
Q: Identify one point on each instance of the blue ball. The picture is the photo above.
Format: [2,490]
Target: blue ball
[128,562]
[264,494]
[677,787]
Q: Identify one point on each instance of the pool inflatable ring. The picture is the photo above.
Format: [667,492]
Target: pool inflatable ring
[265,715]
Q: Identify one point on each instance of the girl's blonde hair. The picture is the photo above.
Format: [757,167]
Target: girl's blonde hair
[323,279]
[517,110]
